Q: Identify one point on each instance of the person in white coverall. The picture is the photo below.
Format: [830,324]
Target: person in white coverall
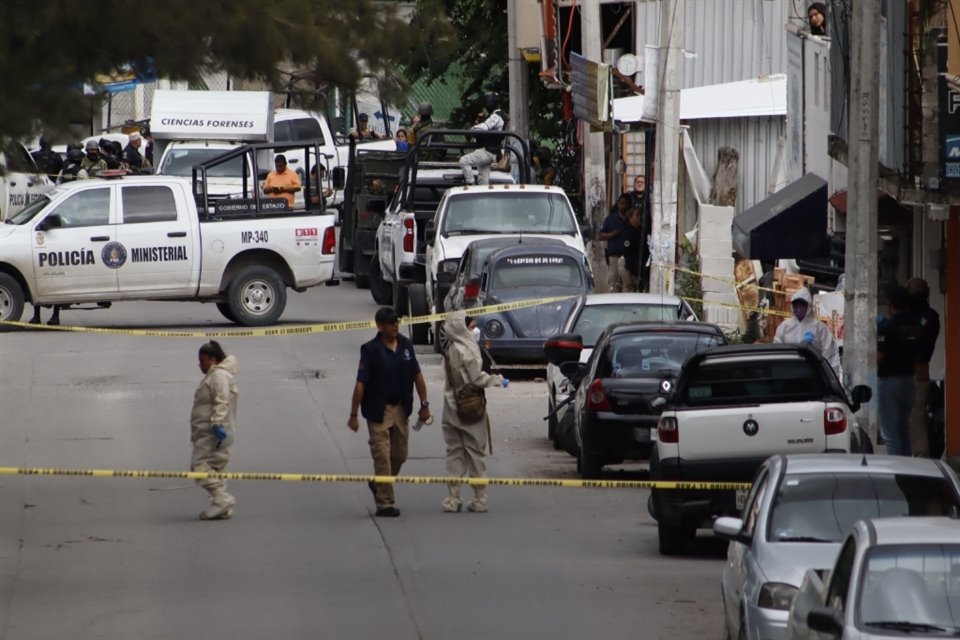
[467,444]
[490,146]
[212,422]
[803,326]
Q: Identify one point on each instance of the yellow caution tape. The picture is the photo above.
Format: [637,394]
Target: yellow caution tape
[324,477]
[745,284]
[327,327]
[763,310]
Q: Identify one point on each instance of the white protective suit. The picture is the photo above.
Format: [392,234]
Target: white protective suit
[482,158]
[810,330]
[214,402]
[467,444]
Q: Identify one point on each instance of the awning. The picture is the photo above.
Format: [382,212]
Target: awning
[839,200]
[792,223]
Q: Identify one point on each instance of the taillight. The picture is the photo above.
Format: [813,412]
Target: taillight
[329,241]
[596,398]
[472,290]
[668,430]
[834,421]
[408,237]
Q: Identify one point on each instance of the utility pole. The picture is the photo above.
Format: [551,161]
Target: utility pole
[594,165]
[860,338]
[516,68]
[667,159]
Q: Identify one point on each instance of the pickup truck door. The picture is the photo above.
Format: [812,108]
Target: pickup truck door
[159,237]
[79,258]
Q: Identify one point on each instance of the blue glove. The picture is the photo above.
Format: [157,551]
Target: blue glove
[505,383]
[808,337]
[219,433]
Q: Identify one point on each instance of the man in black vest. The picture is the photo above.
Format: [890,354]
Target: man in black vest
[386,377]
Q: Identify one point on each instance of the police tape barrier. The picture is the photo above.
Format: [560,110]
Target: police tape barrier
[730,280]
[327,327]
[338,478]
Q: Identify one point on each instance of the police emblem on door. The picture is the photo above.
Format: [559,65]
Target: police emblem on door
[114,255]
[750,427]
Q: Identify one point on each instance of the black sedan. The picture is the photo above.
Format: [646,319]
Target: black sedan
[521,272]
[612,418]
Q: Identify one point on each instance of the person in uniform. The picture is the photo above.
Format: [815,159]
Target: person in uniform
[611,232]
[423,123]
[929,320]
[628,264]
[386,377]
[490,150]
[803,326]
[898,338]
[212,422]
[467,444]
[282,182]
[92,163]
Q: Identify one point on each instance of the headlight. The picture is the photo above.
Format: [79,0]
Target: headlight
[448,266]
[493,328]
[776,595]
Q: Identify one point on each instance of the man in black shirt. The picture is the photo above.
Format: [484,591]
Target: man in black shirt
[386,377]
[898,338]
[929,321]
[629,262]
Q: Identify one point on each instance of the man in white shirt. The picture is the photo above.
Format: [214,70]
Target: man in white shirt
[803,326]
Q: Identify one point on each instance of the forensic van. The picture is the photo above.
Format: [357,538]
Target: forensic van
[163,238]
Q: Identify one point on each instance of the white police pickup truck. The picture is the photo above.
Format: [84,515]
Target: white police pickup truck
[160,238]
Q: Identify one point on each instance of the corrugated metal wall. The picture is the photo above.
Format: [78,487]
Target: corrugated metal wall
[732,39]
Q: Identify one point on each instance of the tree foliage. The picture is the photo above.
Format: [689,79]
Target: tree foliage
[49,49]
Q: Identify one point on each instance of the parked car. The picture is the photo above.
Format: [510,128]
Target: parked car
[730,409]
[521,272]
[798,511]
[590,316]
[893,578]
[612,413]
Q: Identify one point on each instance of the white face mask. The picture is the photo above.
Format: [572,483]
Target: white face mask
[475,332]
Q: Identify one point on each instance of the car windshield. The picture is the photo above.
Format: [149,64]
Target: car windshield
[536,271]
[179,162]
[509,212]
[651,354]
[26,214]
[734,381]
[911,587]
[593,319]
[823,506]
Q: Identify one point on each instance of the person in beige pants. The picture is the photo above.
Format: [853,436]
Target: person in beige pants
[467,444]
[212,422]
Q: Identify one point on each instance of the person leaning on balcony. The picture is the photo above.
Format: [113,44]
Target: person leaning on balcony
[817,16]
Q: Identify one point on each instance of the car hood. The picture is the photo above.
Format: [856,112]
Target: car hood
[788,561]
[452,247]
[541,321]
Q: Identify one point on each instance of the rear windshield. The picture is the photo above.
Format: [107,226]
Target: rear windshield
[595,318]
[736,381]
[823,506]
[533,271]
[651,355]
[509,213]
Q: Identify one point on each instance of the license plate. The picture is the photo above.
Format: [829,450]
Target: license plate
[741,499]
[642,435]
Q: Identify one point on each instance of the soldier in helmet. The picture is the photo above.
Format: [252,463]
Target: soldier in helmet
[490,146]
[92,163]
[425,113]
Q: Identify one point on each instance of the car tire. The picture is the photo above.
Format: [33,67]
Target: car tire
[742,633]
[417,306]
[360,281]
[11,300]
[591,466]
[257,296]
[225,311]
[671,539]
[380,289]
[565,436]
[399,298]
[438,337]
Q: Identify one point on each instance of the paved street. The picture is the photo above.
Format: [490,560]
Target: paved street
[127,558]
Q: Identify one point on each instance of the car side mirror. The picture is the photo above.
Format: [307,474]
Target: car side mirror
[730,529]
[339,177]
[825,620]
[430,231]
[52,221]
[859,395]
[444,278]
[562,348]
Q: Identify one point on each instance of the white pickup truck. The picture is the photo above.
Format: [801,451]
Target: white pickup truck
[733,407]
[157,238]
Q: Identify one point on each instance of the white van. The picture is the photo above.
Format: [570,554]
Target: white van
[21,181]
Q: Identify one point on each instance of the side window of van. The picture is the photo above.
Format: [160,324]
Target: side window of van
[281,131]
[306,129]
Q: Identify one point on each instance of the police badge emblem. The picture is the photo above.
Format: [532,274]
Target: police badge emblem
[114,255]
